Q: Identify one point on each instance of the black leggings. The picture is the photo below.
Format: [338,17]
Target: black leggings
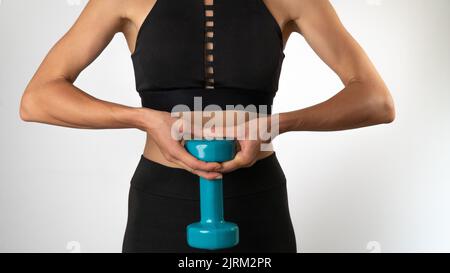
[164,200]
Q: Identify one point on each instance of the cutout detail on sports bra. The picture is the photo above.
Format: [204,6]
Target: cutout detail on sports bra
[209,43]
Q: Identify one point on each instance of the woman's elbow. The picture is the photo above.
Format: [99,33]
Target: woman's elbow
[383,107]
[389,109]
[27,107]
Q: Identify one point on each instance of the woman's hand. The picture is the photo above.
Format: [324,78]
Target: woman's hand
[168,132]
[251,137]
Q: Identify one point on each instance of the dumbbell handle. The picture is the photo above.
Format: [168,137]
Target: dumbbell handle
[211,200]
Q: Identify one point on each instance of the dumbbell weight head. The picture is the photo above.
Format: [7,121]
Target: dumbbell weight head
[212,150]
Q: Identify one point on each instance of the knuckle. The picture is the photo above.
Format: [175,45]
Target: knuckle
[169,157]
[191,165]
[209,167]
[196,164]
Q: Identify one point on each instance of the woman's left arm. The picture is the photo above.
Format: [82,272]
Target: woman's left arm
[364,101]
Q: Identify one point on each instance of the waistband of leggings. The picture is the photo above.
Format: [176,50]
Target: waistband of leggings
[157,179]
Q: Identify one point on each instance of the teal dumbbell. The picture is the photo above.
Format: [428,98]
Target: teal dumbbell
[212,232]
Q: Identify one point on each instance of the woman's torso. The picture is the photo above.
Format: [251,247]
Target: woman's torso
[264,54]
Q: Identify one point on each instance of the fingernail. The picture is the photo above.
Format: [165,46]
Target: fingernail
[219,176]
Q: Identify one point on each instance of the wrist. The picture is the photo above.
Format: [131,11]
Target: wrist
[287,122]
[141,118]
[149,119]
[268,128]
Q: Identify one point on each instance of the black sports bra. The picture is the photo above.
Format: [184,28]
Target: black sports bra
[227,53]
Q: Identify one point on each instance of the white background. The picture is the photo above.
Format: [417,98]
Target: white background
[386,187]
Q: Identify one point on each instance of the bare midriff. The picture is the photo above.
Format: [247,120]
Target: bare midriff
[153,153]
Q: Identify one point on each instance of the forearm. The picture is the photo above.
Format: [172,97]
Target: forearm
[357,105]
[61,103]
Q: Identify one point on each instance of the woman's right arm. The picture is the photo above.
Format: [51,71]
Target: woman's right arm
[51,97]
